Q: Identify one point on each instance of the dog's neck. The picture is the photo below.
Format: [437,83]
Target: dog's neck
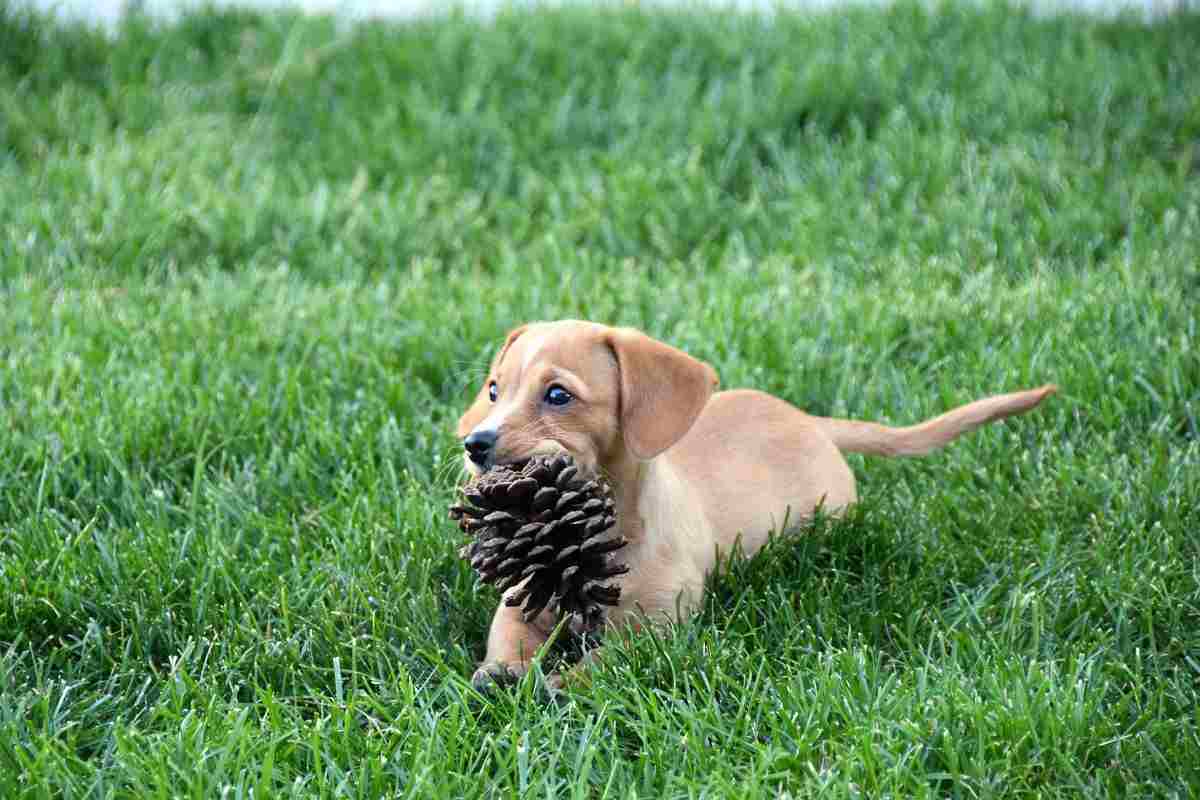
[630,479]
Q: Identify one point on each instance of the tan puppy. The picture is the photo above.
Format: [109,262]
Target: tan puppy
[692,471]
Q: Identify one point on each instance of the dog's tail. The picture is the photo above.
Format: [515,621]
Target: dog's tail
[917,440]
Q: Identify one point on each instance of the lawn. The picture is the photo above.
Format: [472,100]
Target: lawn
[253,266]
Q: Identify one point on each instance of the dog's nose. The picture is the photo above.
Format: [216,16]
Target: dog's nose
[479,445]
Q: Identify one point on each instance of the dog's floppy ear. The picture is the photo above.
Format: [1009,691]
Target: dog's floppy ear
[663,391]
[478,410]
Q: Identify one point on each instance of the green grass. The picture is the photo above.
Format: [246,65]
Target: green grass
[252,265]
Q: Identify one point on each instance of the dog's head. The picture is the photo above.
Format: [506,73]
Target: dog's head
[595,392]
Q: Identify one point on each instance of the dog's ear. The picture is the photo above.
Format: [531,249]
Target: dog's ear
[479,409]
[663,391]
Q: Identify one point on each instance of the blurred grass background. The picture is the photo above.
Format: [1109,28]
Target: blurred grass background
[252,265]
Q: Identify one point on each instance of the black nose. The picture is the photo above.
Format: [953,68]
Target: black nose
[479,445]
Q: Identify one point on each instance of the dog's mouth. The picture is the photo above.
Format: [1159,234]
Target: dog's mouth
[517,463]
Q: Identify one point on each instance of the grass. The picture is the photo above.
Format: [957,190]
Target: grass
[251,267]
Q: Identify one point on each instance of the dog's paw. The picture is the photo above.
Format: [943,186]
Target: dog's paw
[497,675]
[575,679]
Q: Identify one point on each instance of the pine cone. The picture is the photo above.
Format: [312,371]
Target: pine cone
[545,523]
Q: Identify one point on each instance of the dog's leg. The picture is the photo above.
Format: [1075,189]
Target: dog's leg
[512,643]
[575,676]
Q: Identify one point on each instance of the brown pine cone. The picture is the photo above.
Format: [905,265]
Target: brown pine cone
[545,523]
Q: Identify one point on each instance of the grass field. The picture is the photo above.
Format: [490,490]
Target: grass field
[251,268]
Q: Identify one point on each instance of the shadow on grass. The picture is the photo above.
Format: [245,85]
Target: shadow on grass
[852,561]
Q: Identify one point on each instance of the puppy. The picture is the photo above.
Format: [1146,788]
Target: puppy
[692,469]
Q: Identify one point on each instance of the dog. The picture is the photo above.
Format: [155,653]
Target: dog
[693,470]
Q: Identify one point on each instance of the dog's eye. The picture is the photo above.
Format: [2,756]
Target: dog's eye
[493,391]
[557,396]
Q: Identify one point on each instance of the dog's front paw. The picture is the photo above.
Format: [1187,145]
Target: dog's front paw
[497,675]
[494,676]
[573,679]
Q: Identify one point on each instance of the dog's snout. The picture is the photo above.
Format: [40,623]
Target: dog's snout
[479,444]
